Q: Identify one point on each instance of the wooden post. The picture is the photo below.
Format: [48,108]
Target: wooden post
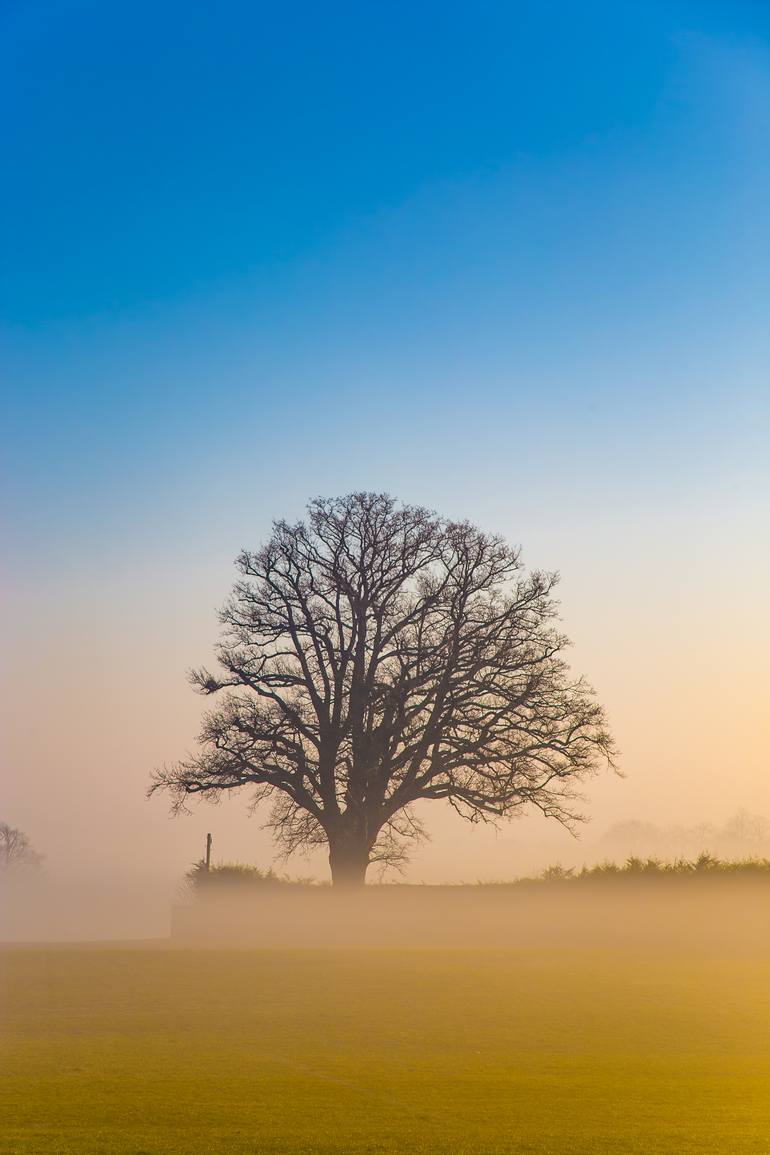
[208,852]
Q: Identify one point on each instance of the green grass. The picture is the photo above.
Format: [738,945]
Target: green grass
[163,1050]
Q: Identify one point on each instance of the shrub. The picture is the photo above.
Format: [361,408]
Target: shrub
[234,878]
[636,868]
[654,868]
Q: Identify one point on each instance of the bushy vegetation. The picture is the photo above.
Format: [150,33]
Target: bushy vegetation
[705,865]
[238,878]
[234,877]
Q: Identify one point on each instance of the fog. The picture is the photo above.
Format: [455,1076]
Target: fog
[48,908]
[720,916]
[61,905]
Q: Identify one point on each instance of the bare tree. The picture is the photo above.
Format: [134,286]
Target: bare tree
[16,851]
[376,655]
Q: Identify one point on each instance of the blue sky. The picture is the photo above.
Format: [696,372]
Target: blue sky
[374,192]
[156,150]
[511,261]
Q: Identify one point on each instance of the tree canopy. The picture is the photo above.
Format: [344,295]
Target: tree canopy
[375,656]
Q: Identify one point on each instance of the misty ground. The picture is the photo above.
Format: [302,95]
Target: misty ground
[593,1043]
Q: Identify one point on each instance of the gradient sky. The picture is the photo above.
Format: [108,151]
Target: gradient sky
[510,261]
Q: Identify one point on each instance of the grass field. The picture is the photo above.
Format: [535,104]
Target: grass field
[164,1050]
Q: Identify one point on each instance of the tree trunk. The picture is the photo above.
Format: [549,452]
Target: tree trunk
[348,860]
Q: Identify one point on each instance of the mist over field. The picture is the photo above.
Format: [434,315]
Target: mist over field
[52,904]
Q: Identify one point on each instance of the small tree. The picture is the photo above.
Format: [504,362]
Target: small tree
[377,655]
[16,851]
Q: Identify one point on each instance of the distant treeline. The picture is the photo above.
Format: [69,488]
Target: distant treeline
[744,835]
[237,877]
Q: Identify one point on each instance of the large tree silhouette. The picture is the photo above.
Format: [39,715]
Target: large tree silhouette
[377,655]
